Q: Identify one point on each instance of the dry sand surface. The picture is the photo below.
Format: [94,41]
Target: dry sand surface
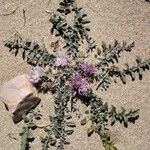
[127,20]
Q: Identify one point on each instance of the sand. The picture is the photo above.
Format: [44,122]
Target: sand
[127,20]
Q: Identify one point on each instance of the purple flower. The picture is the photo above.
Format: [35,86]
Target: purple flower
[89,69]
[61,60]
[79,84]
[36,73]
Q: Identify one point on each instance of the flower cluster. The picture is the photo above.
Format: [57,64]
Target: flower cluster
[79,84]
[89,69]
[36,74]
[61,60]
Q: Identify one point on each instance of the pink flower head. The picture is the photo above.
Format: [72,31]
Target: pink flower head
[89,69]
[61,60]
[79,84]
[36,73]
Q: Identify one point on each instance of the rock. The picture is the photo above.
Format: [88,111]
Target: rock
[28,103]
[17,96]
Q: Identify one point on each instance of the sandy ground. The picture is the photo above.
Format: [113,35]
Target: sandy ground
[127,20]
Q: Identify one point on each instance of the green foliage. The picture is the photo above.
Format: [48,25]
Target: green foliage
[59,122]
[70,33]
[108,56]
[80,22]
[131,71]
[108,144]
[111,54]
[123,117]
[99,113]
[26,134]
[25,138]
[31,51]
[48,140]
[65,7]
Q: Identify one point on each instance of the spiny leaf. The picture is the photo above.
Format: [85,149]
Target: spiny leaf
[71,124]
[90,130]
[68,132]
[98,51]
[68,117]
[53,142]
[104,46]
[110,146]
[83,121]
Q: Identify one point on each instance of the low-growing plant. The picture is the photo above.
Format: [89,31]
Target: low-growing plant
[70,77]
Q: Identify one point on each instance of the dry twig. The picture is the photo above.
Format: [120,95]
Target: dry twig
[100,82]
[11,136]
[7,14]
[24,16]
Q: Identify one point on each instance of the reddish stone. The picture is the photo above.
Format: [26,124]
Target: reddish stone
[15,90]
